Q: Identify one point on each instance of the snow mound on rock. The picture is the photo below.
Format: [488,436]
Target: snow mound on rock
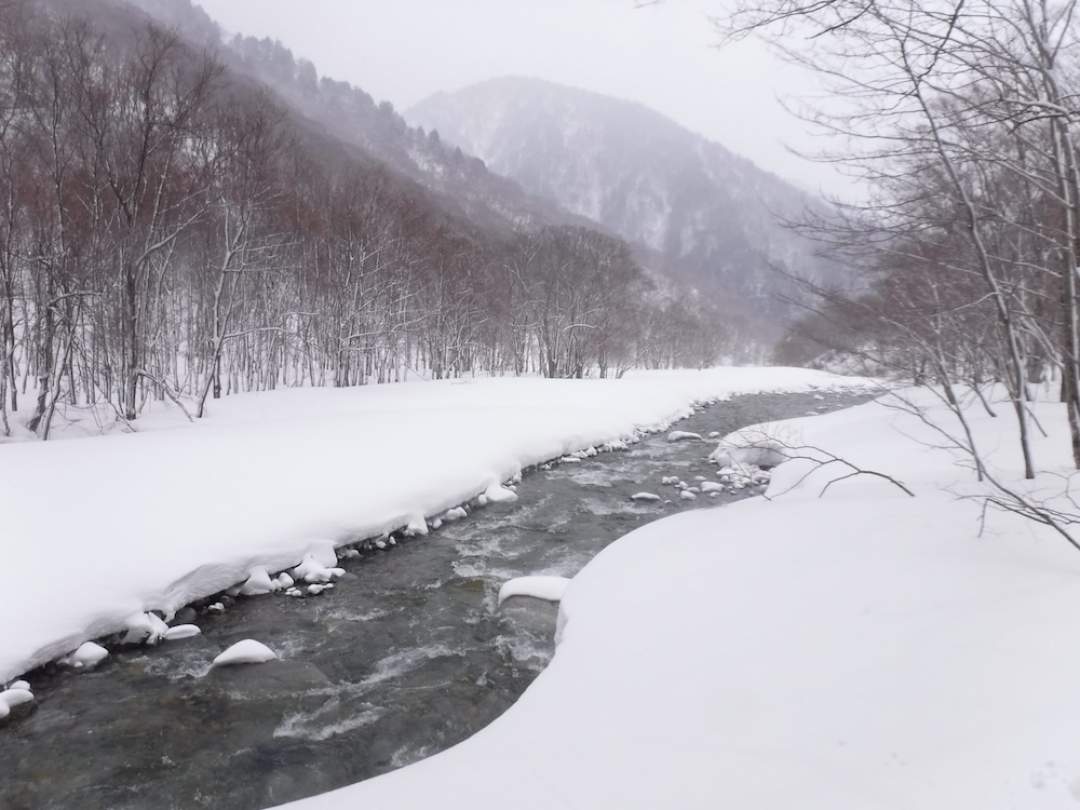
[88,656]
[258,583]
[497,493]
[548,588]
[683,436]
[182,631]
[247,651]
[144,628]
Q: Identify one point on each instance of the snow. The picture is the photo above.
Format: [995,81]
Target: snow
[16,697]
[271,477]
[416,527]
[863,649]
[144,628]
[258,582]
[497,493]
[182,631]
[18,694]
[284,581]
[87,656]
[455,514]
[744,450]
[540,587]
[247,651]
[683,435]
[314,569]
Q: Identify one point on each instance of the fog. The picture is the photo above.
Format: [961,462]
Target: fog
[662,55]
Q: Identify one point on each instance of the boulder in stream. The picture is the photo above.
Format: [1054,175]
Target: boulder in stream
[247,651]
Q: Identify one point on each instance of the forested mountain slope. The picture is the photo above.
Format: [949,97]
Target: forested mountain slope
[174,227]
[715,217]
[704,222]
[348,112]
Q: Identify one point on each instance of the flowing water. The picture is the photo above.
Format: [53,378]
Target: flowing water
[408,655]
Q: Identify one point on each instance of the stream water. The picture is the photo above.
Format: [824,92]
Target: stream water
[407,656]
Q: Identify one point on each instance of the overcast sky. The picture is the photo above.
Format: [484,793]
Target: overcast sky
[660,55]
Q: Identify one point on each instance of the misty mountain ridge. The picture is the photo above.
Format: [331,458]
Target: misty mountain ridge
[515,154]
[461,182]
[714,216]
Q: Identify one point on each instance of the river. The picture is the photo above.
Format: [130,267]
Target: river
[406,656]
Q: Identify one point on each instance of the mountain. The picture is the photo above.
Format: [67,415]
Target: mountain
[715,218]
[349,113]
[516,155]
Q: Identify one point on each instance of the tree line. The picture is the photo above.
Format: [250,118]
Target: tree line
[958,122]
[169,229]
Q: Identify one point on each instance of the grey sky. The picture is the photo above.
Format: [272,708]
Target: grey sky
[659,55]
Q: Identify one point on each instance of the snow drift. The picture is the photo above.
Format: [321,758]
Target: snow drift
[862,651]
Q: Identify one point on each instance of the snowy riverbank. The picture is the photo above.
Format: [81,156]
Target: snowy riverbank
[860,650]
[97,530]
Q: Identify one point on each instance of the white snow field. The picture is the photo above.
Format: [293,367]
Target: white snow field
[860,651]
[98,530]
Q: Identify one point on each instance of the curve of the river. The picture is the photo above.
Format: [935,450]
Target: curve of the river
[407,656]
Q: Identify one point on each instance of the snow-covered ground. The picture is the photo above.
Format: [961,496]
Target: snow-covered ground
[98,531]
[855,651]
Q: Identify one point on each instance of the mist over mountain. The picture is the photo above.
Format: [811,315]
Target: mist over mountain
[517,153]
[714,217]
[348,112]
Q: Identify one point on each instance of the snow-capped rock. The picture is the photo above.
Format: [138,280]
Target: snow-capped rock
[417,527]
[12,697]
[313,570]
[247,651]
[540,587]
[182,631]
[16,697]
[497,493]
[88,656]
[284,581]
[765,454]
[258,583]
[683,436]
[455,514]
[143,628]
[645,496]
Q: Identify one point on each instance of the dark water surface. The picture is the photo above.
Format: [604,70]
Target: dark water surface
[407,656]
